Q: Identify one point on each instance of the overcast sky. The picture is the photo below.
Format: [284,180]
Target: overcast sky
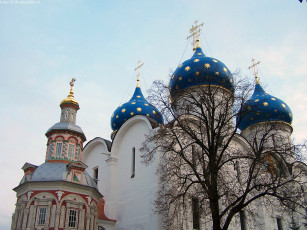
[43,44]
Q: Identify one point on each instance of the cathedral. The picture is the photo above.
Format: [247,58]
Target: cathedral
[103,184]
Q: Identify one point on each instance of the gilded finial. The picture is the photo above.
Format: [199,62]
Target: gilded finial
[254,64]
[138,74]
[194,33]
[71,93]
[70,97]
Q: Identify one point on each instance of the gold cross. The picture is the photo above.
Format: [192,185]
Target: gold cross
[254,69]
[72,85]
[72,82]
[138,74]
[194,33]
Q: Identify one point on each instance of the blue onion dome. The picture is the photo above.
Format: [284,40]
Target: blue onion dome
[263,107]
[137,105]
[200,70]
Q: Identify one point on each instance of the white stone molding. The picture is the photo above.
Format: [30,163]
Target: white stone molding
[52,218]
[89,199]
[74,199]
[59,193]
[62,217]
[88,218]
[29,195]
[25,218]
[112,161]
[81,220]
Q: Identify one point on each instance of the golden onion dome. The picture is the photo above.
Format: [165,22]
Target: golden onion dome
[70,98]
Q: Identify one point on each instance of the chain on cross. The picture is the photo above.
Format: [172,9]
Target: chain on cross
[253,66]
[138,74]
[194,33]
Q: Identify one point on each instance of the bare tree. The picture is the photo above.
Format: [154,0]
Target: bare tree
[208,166]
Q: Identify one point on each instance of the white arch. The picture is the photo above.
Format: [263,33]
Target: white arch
[125,127]
[92,144]
[45,193]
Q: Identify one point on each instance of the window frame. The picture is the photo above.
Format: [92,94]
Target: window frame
[38,215]
[75,221]
[73,147]
[95,174]
[56,149]
[195,213]
[133,163]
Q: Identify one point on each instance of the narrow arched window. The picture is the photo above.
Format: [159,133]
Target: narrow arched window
[133,163]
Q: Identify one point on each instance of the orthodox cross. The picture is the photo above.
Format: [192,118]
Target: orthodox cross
[138,74]
[254,69]
[72,85]
[194,33]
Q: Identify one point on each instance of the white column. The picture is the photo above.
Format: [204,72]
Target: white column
[88,219]
[25,218]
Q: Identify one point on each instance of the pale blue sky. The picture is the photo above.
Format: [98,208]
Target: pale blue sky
[44,45]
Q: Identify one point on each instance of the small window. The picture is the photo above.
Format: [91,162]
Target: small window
[72,223]
[279,223]
[42,211]
[243,220]
[58,150]
[133,163]
[195,210]
[71,150]
[95,174]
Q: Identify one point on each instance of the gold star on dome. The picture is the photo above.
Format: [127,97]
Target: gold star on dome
[146,104]
[265,103]
[256,100]
[273,99]
[123,110]
[283,105]
[147,115]
[187,68]
[132,103]
[217,73]
[180,66]
[225,69]
[138,96]
[131,113]
[207,65]
[154,112]
[173,76]
[199,53]
[214,60]
[116,116]
[180,78]
[196,60]
[197,73]
[289,114]
[230,80]
[139,109]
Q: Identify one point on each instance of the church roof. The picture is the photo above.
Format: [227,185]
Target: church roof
[59,172]
[137,105]
[67,126]
[263,107]
[200,70]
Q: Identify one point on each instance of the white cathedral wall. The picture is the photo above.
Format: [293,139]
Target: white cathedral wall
[134,197]
[95,155]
